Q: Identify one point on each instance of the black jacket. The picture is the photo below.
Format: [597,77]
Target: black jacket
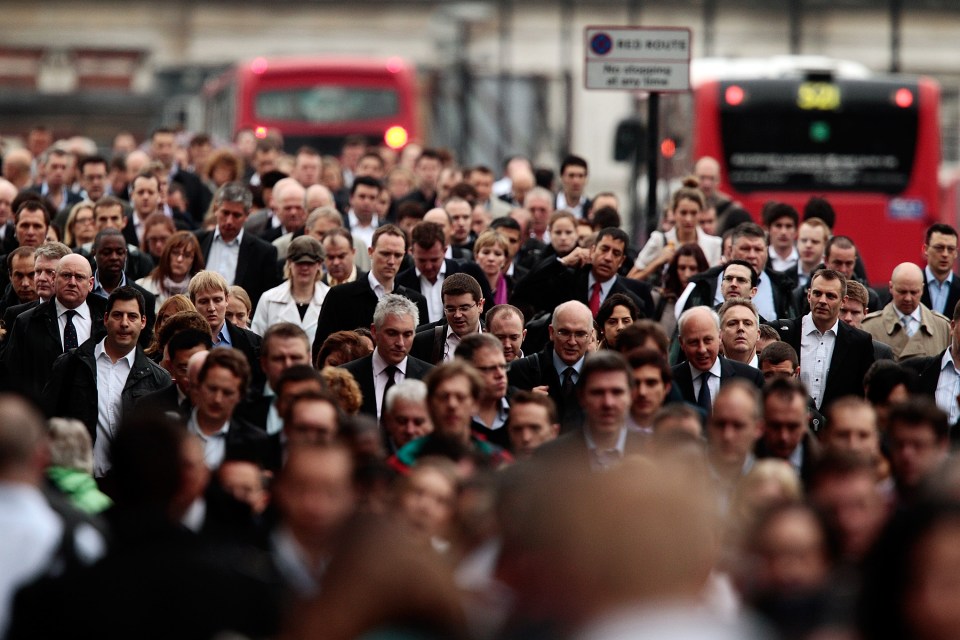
[536,370]
[705,290]
[729,369]
[256,264]
[362,371]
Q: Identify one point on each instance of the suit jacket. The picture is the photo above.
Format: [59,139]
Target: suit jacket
[198,195]
[351,305]
[256,264]
[362,371]
[34,344]
[953,295]
[928,372]
[852,355]
[729,369]
[781,284]
[11,313]
[248,343]
[933,335]
[536,370]
[808,461]
[429,341]
[573,447]
[165,401]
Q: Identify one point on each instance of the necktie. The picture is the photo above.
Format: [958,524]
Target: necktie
[391,380]
[595,299]
[568,381]
[703,398]
[70,332]
[908,325]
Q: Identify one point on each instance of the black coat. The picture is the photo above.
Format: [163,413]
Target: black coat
[409,278]
[572,447]
[362,371]
[953,296]
[537,370]
[729,369]
[248,343]
[256,264]
[928,370]
[705,290]
[165,401]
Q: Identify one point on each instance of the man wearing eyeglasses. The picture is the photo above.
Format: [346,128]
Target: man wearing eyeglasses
[485,353]
[556,369]
[462,304]
[941,290]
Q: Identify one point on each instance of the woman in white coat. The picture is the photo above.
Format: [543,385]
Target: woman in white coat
[300,297]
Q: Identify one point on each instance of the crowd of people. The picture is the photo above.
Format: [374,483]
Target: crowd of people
[297,395]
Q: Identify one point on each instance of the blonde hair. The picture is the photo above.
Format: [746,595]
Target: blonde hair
[205,281]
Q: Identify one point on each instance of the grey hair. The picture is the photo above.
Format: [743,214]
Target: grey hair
[686,316]
[70,444]
[538,193]
[409,390]
[740,302]
[52,251]
[233,192]
[323,212]
[394,304]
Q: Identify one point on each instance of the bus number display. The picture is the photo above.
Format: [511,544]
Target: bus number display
[818,96]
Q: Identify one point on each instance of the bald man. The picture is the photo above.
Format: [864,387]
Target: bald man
[909,327]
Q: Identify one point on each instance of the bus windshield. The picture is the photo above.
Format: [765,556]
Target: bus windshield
[326,104]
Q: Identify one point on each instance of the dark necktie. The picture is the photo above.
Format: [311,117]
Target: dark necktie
[391,380]
[70,332]
[703,398]
[568,382]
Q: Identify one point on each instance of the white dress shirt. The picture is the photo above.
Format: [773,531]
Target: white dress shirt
[111,379]
[914,325]
[452,342]
[816,354]
[713,384]
[82,321]
[359,230]
[375,285]
[432,292]
[214,445]
[380,376]
[601,460]
[783,264]
[948,386]
[763,300]
[939,292]
[225,255]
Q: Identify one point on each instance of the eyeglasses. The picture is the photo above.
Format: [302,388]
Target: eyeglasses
[566,334]
[464,308]
[943,248]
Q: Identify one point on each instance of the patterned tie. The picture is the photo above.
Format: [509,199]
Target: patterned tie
[908,325]
[70,332]
[703,398]
[595,299]
[392,380]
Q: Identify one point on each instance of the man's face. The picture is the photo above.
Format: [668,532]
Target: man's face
[279,354]
[315,493]
[462,313]
[513,241]
[574,179]
[784,423]
[73,281]
[23,277]
[570,335]
[244,482]
[311,421]
[825,300]
[649,390]
[212,305]
[941,253]
[842,260]
[700,341]
[605,397]
[855,507]
[529,427]
[783,233]
[739,333]
[493,367]
[452,407]
[218,395]
[145,196]
[428,261]
[752,250]
[306,171]
[386,256]
[407,421]
[7,194]
[854,430]
[369,166]
[110,256]
[783,369]
[230,219]
[427,171]
[736,283]
[289,208]
[110,217]
[483,183]
[460,212]
[123,324]
[56,170]
[178,368]
[46,277]
[163,147]
[94,180]
[363,201]
[708,175]
[394,339]
[915,452]
[707,219]
[852,312]
[540,212]
[31,228]
[510,332]
[340,255]
[732,429]
[906,290]
[607,257]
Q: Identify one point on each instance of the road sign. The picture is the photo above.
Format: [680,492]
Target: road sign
[637,58]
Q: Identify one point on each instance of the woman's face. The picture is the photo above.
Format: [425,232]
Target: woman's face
[237,313]
[619,320]
[156,239]
[491,259]
[222,174]
[305,272]
[686,214]
[181,262]
[563,236]
[335,359]
[84,227]
[686,269]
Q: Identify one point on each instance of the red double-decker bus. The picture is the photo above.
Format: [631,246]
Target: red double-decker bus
[787,130]
[316,101]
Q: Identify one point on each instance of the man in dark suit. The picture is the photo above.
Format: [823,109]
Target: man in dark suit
[110,256]
[351,305]
[939,376]
[394,321]
[699,378]
[40,335]
[834,356]
[163,147]
[241,258]
[20,267]
[462,304]
[941,289]
[785,433]
[174,399]
[46,258]
[54,188]
[604,391]
[854,308]
[587,275]
[556,369]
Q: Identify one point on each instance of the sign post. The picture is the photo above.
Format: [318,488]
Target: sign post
[652,59]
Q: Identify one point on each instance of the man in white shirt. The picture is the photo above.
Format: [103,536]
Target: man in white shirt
[780,222]
[573,177]
[362,217]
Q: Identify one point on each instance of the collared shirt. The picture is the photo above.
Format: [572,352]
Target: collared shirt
[431,291]
[452,342]
[274,421]
[214,445]
[111,379]
[783,264]
[763,300]
[82,321]
[359,230]
[378,289]
[939,292]
[796,458]
[755,361]
[561,366]
[294,563]
[713,384]
[500,419]
[138,225]
[602,460]
[816,354]
[380,376]
[64,193]
[915,319]
[224,255]
[948,387]
[350,278]
[604,286]
[222,339]
[576,208]
[98,286]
